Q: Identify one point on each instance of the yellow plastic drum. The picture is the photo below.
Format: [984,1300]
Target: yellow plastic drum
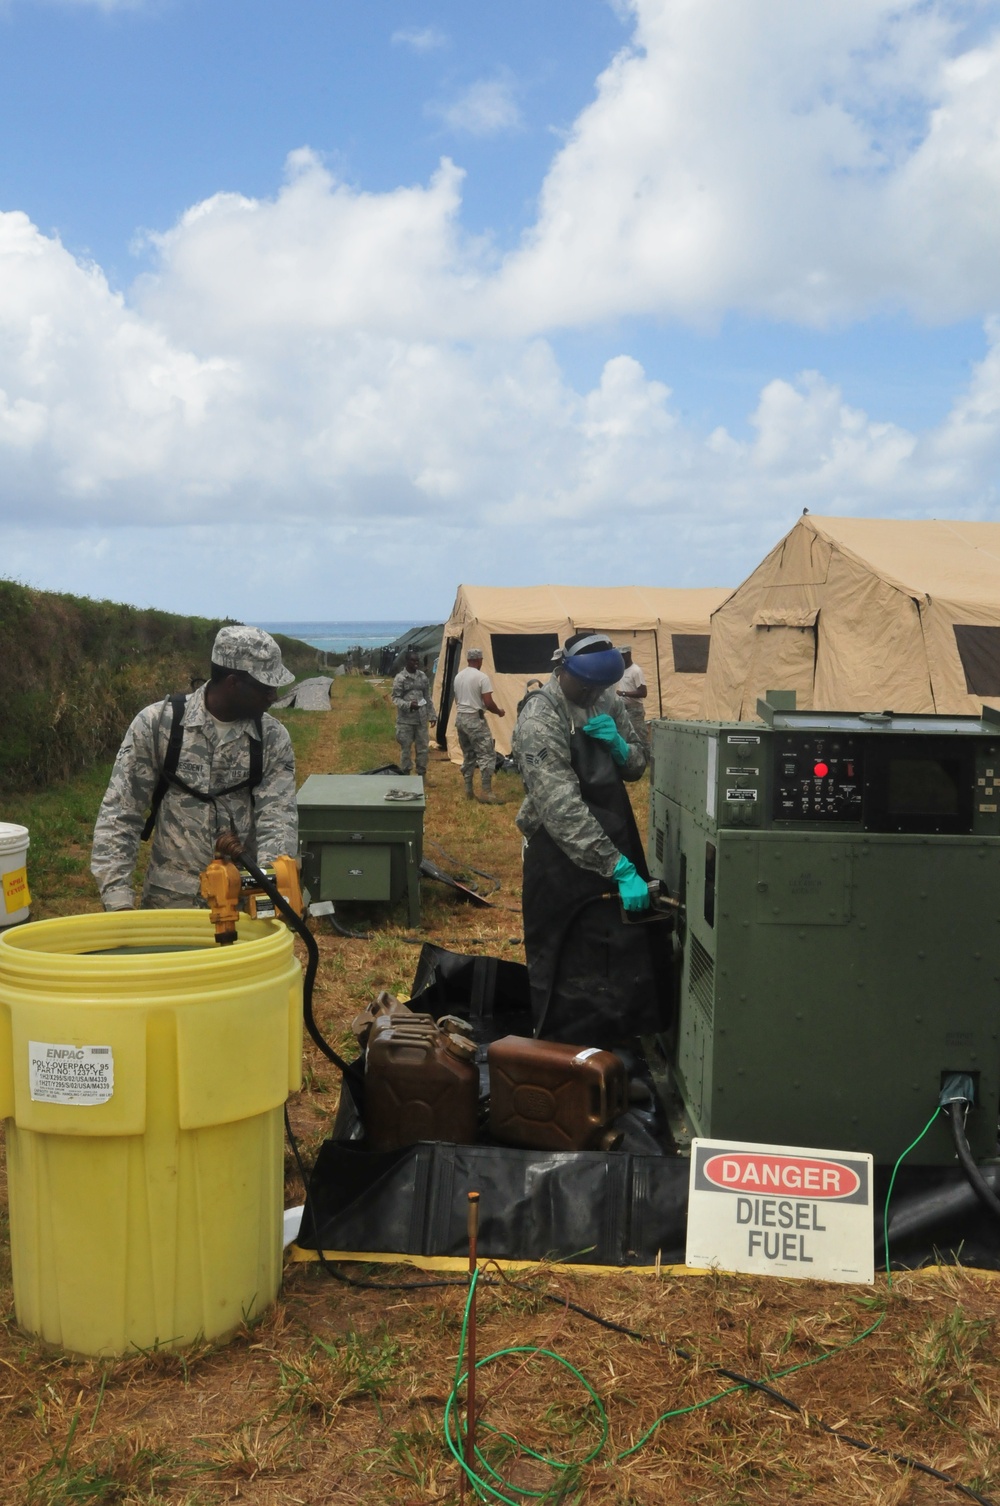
[143,1070]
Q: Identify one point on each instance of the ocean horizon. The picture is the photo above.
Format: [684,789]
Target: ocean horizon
[338,637]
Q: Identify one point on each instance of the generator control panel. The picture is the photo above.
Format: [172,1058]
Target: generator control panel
[818,777]
[866,771]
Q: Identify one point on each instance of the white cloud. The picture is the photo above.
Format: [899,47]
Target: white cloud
[352,463]
[366,396]
[804,161]
[420,38]
[488,107]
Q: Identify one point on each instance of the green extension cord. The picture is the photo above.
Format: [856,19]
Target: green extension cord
[490,1485]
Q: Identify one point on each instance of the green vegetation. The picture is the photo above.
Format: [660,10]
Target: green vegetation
[74,672]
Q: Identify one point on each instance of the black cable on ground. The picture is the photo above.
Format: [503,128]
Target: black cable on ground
[984,1192]
[465,867]
[764,1388]
[328,1267]
[344,931]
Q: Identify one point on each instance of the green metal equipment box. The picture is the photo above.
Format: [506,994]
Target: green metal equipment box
[840,937]
[359,840]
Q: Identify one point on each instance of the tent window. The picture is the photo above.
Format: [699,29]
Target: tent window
[690,652]
[523,653]
[979,651]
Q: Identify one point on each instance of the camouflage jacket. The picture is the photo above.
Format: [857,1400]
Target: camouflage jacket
[214,755]
[412,685]
[542,753]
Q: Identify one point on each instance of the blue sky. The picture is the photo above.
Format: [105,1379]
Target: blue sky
[124,116]
[379,297]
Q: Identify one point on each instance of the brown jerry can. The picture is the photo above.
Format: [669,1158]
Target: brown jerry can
[548,1095]
[420,1084]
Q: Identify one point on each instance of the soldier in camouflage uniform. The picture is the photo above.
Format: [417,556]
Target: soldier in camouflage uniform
[473,698]
[594,979]
[209,793]
[411,696]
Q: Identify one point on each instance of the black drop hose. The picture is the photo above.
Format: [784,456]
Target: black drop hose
[571,919]
[978,1183]
[344,931]
[351,1074]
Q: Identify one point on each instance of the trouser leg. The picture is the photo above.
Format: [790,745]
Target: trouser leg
[486,754]
[421,743]
[468,756]
[404,737]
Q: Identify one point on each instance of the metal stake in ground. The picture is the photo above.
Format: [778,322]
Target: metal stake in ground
[470,1425]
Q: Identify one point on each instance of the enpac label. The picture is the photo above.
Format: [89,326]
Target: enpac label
[781,1210]
[61,1073]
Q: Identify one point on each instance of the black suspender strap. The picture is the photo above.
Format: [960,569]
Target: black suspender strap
[168,774]
[170,762]
[256,756]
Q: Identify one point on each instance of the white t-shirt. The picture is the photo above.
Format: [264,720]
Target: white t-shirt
[470,686]
[632,679]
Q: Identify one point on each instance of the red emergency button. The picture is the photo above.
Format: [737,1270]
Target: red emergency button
[821,770]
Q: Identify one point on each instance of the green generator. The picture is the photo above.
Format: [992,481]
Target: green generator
[361,837]
[839,940]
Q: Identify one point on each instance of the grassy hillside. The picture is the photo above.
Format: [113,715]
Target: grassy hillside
[73,673]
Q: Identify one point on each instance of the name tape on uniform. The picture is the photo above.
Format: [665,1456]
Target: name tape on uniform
[80,1075]
[780,1210]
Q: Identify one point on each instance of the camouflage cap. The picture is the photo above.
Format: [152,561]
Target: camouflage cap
[253,651]
[474,653]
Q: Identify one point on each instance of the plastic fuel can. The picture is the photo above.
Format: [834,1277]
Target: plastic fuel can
[421,1083]
[549,1095]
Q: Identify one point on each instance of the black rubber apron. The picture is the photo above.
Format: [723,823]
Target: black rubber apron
[594,978]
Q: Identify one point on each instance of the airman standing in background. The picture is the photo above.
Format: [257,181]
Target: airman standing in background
[411,696]
[473,698]
[633,691]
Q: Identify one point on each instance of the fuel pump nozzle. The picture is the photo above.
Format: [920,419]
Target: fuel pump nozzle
[220,889]
[225,888]
[662,906]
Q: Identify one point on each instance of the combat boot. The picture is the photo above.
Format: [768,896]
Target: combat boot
[488,797]
[470,793]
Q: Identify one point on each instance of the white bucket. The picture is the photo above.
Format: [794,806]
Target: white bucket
[14,896]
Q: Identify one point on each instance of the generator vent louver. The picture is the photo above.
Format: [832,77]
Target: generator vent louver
[702,978]
[659,844]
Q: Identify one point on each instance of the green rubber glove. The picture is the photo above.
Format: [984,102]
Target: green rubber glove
[604,729]
[634,891]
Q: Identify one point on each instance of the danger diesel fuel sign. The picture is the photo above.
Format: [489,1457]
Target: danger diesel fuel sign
[780,1210]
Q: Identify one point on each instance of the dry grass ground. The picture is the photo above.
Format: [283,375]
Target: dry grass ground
[336,1395]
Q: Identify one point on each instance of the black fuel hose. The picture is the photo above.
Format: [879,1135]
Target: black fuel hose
[351,1074]
[945,1204]
[344,931]
[568,924]
[571,919]
[978,1183]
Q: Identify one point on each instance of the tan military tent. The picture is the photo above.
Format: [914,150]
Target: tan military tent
[864,614]
[519,627]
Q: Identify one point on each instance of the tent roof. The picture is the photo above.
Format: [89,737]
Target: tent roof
[625,607]
[923,557]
